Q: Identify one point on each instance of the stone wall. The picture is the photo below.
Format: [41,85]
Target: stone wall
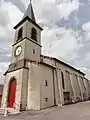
[0,99]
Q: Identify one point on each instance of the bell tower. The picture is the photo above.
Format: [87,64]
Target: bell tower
[26,47]
[27,42]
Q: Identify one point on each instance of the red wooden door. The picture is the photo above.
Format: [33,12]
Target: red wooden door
[12,92]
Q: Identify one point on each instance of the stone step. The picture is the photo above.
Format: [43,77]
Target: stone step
[8,111]
[2,111]
[13,111]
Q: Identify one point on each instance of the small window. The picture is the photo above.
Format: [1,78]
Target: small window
[46,83]
[46,99]
[33,51]
[62,76]
[20,33]
[34,34]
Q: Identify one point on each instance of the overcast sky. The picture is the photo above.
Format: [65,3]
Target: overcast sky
[66,33]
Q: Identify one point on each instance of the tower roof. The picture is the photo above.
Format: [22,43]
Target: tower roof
[29,12]
[29,15]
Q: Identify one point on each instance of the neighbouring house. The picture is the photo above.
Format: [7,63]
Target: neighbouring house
[1,91]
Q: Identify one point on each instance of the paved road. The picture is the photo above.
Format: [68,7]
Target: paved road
[79,111]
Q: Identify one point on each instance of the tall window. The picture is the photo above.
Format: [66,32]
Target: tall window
[46,83]
[33,51]
[20,33]
[34,34]
[62,76]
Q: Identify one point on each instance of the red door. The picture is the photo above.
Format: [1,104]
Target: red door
[12,92]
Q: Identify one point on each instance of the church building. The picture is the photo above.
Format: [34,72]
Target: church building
[34,81]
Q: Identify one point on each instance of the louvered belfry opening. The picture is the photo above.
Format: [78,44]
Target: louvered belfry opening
[20,33]
[34,34]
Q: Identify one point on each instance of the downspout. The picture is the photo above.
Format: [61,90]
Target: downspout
[59,102]
[54,88]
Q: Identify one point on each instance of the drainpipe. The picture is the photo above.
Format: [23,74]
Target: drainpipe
[54,88]
[58,87]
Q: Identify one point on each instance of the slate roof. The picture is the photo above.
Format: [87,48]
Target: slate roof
[30,13]
[66,64]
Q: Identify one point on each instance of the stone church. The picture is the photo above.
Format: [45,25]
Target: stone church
[34,81]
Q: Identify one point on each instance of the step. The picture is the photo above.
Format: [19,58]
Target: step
[13,111]
[9,111]
[2,110]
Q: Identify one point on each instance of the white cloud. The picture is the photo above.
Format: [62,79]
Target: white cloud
[86,28]
[50,11]
[66,7]
[15,15]
[87,57]
[3,68]
[60,42]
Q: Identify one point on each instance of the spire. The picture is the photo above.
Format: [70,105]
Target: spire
[29,12]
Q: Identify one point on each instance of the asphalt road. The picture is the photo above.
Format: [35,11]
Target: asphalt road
[79,111]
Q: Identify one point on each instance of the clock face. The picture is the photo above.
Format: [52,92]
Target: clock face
[18,51]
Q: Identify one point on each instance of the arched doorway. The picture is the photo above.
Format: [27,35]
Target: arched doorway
[12,93]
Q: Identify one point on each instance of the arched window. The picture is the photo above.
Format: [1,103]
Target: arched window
[34,34]
[46,83]
[62,76]
[20,33]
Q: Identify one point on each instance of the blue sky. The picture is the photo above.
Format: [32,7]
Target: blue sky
[66,33]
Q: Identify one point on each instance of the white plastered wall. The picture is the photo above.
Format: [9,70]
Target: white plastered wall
[29,27]
[29,47]
[18,76]
[87,87]
[68,84]
[82,88]
[72,72]
[75,84]
[37,91]
[33,97]
[27,44]
[46,73]
[58,88]
[24,90]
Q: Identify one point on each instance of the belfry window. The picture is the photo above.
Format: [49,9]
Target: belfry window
[20,33]
[62,76]
[34,34]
